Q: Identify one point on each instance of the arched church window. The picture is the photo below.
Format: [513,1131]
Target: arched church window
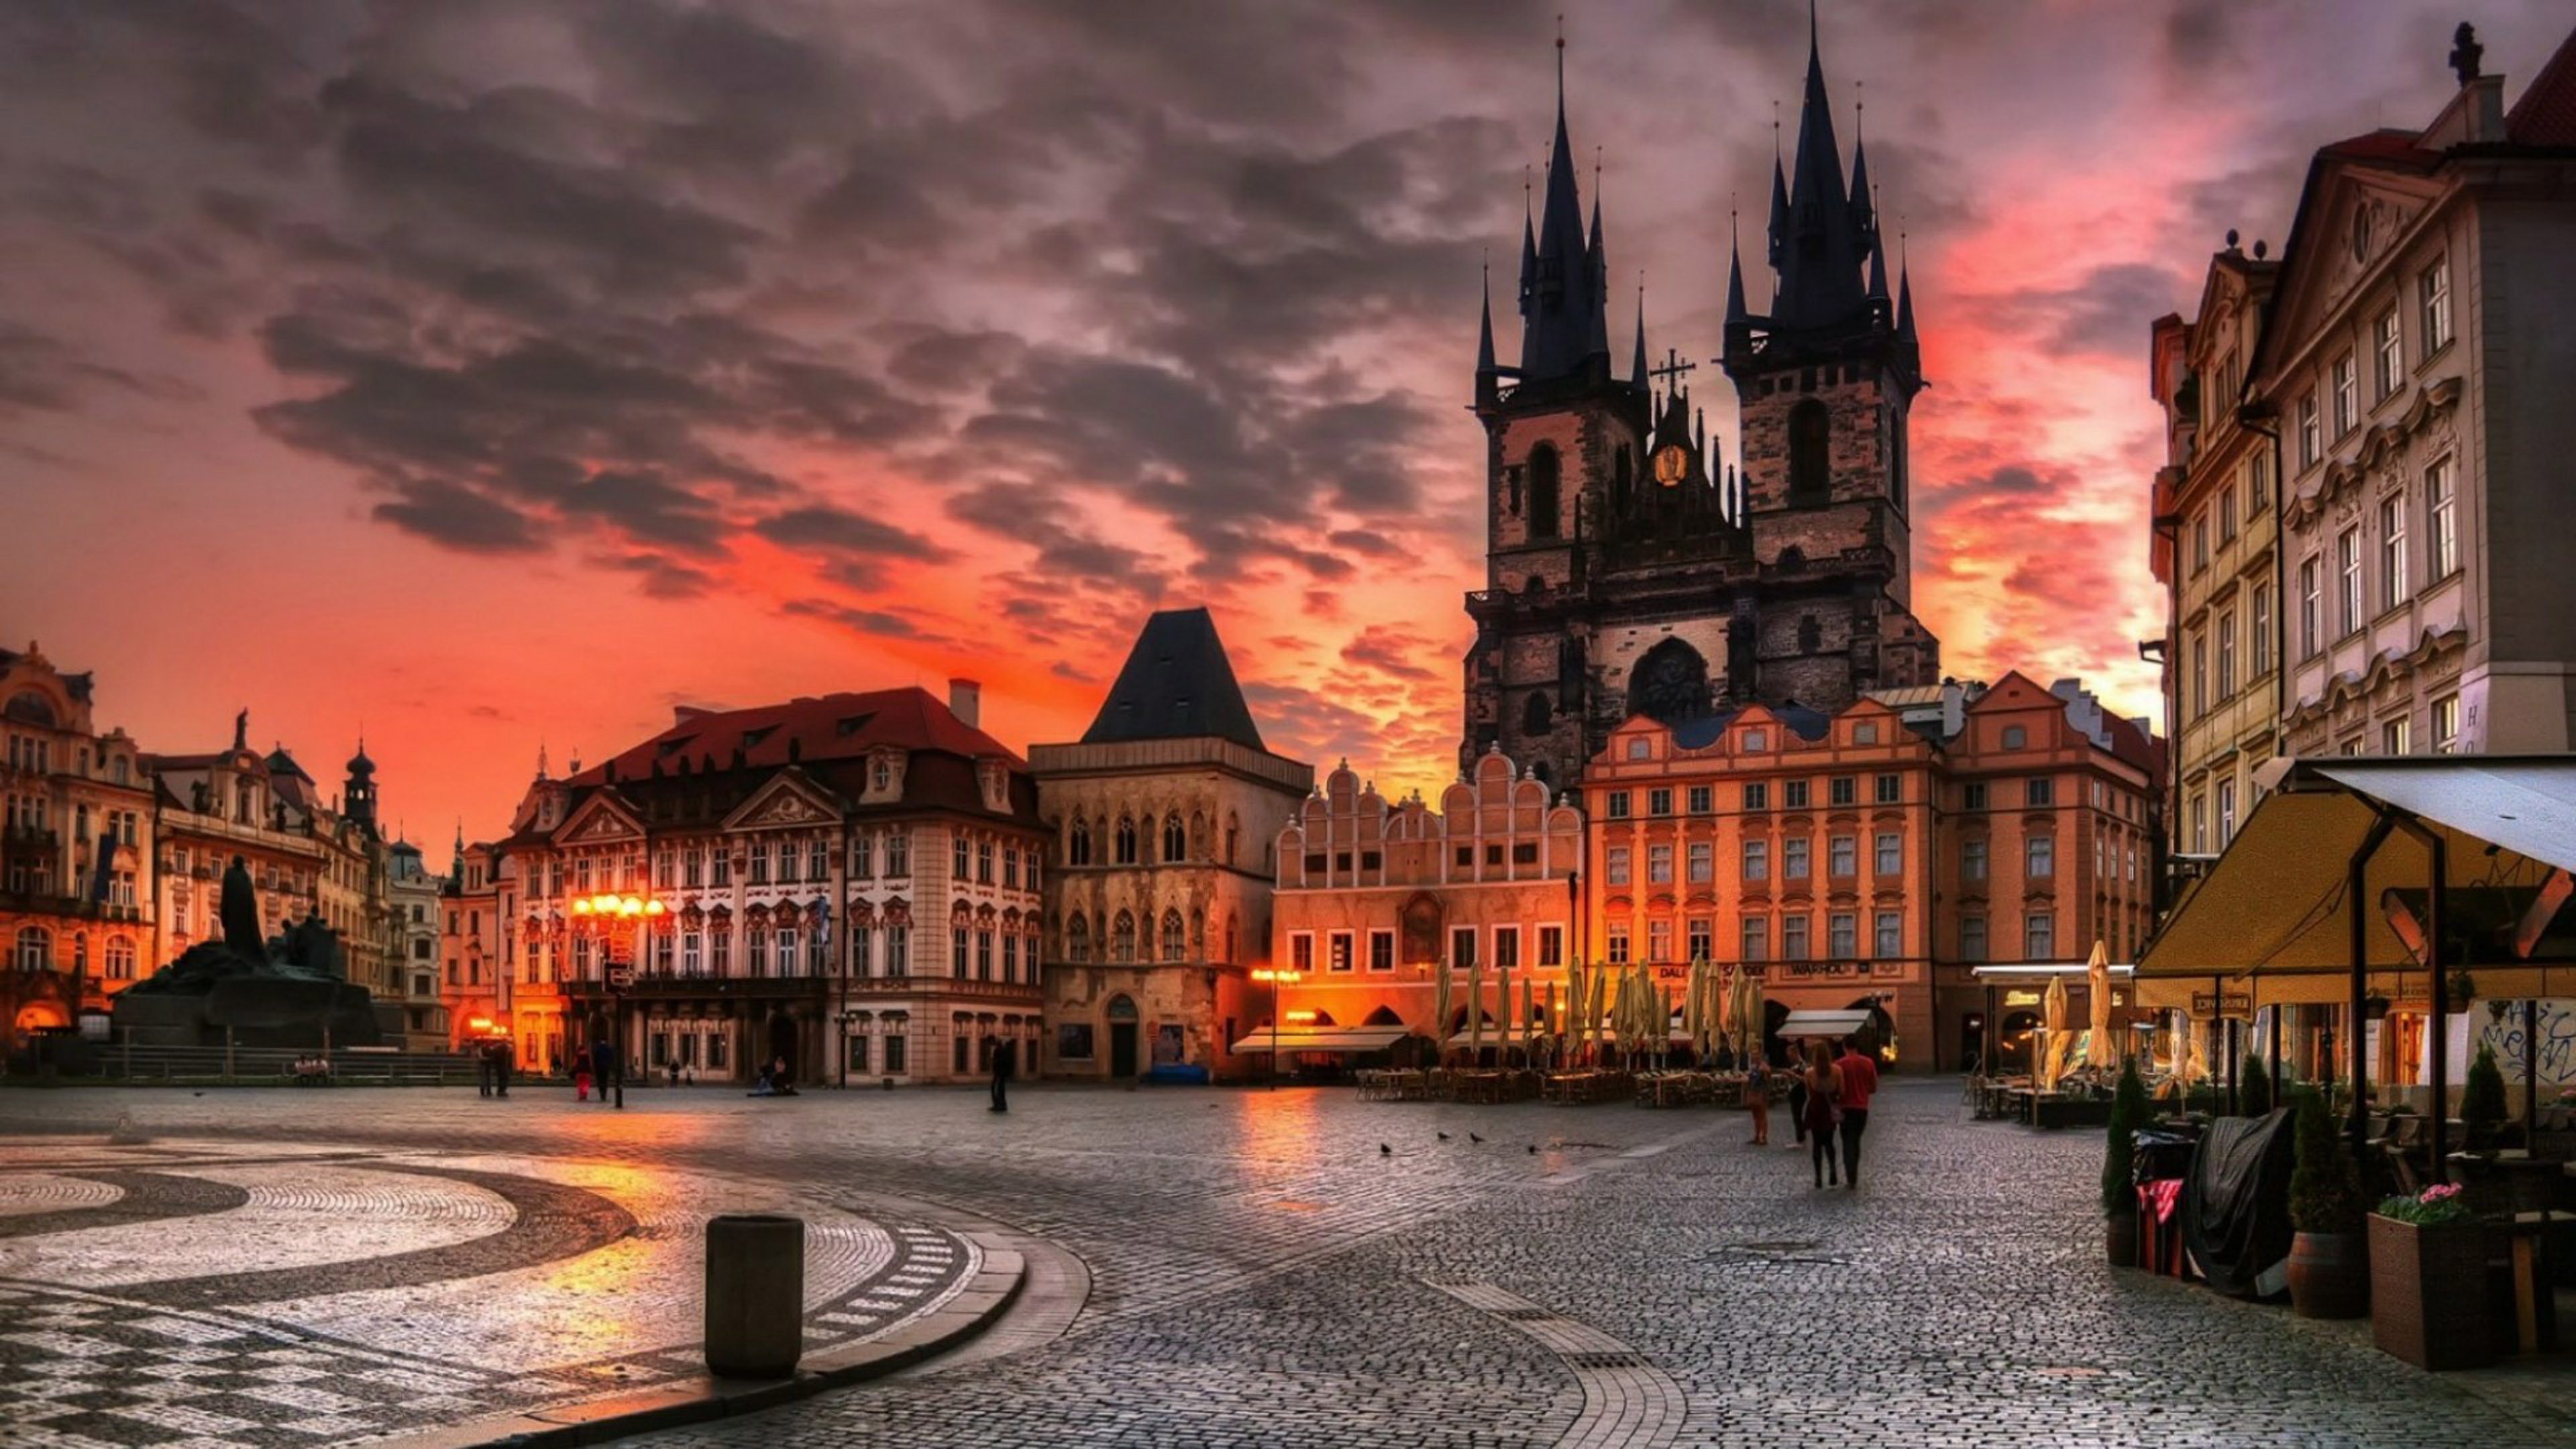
[1077,851]
[1544,491]
[1176,840]
[1536,714]
[1077,938]
[1810,434]
[1126,841]
[1174,943]
[1122,938]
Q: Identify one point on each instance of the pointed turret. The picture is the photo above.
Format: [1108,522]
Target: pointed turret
[1905,307]
[1736,316]
[1637,375]
[1877,273]
[1820,266]
[1599,258]
[1564,312]
[1485,330]
[1779,207]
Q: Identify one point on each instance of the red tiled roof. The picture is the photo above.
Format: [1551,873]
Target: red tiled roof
[833,727]
[2384,144]
[2546,114]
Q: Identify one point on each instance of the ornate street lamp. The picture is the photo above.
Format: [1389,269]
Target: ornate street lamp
[614,919]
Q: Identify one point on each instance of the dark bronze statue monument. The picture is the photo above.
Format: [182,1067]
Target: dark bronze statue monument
[292,991]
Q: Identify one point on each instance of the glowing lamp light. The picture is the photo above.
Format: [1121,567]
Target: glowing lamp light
[1302,1018]
[580,907]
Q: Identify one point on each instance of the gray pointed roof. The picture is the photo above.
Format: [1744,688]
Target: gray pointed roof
[1177,684]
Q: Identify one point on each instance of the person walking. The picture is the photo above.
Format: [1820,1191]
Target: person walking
[1798,1095]
[1757,1096]
[1824,1089]
[483,1069]
[1859,1078]
[1000,1052]
[603,1060]
[501,1068]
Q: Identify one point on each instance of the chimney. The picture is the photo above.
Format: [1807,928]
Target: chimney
[966,701]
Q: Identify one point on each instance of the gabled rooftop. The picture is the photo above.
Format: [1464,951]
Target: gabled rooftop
[1177,683]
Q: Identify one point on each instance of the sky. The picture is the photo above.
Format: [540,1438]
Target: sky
[493,375]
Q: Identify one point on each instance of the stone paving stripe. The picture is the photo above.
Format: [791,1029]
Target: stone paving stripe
[552,1222]
[1628,1402]
[147,1197]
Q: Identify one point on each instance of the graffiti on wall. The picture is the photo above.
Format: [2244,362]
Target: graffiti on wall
[2554,1037]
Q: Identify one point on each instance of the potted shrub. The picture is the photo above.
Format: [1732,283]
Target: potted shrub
[2254,1089]
[2130,1111]
[2428,1280]
[2329,1268]
[2482,1109]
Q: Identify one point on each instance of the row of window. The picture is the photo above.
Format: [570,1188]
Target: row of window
[35,754]
[1126,843]
[34,951]
[1842,941]
[2362,589]
[2341,393]
[1756,794]
[1464,943]
[1177,941]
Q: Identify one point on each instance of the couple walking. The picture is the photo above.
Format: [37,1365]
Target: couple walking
[1833,1099]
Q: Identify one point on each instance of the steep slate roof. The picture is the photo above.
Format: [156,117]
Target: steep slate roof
[833,726]
[1177,684]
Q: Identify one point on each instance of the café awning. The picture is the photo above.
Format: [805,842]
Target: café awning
[2274,920]
[1835,1024]
[1322,1039]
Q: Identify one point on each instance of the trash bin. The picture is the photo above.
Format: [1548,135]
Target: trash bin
[755,1295]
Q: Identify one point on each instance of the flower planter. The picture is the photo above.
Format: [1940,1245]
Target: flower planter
[2428,1293]
[2329,1275]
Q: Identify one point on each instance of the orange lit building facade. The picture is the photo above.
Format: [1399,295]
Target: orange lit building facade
[1375,896]
[1872,858]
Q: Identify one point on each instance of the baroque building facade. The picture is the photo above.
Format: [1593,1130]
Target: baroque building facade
[2217,551]
[411,944]
[2418,334]
[848,884]
[1627,570]
[1162,818]
[1873,857]
[78,869]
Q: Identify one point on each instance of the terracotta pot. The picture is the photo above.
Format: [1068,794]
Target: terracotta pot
[2428,1293]
[2329,1275]
[2120,1238]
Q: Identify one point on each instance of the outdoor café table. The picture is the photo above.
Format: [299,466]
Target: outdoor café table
[2535,1301]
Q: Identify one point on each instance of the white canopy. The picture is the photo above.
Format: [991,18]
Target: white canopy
[1836,1024]
[1323,1039]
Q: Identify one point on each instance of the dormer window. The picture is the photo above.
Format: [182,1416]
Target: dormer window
[881,776]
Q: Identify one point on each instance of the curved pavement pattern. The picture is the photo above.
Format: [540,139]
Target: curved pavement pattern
[247,1295]
[1250,1267]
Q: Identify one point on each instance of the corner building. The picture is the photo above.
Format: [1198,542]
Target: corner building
[849,882]
[1627,571]
[1161,818]
[77,854]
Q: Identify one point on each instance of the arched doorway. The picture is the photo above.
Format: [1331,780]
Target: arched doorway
[2013,1041]
[1878,1038]
[1669,683]
[41,1016]
[782,1042]
[1122,1036]
[1773,1014]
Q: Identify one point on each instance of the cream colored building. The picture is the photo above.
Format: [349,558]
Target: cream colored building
[2418,358]
[2217,552]
[1159,901]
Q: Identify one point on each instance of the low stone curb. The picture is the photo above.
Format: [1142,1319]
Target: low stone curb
[986,1297]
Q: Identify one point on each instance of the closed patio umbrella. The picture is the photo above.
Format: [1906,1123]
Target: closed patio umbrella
[1593,1019]
[2053,1050]
[1502,1010]
[1440,1011]
[1476,1014]
[1529,1018]
[2100,1050]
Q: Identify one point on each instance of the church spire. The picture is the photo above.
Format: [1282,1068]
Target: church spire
[1820,264]
[1564,313]
[1735,313]
[1485,327]
[1637,369]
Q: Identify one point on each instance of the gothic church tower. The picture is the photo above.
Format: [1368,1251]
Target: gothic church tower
[1627,571]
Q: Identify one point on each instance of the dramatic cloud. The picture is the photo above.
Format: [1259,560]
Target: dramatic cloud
[596,350]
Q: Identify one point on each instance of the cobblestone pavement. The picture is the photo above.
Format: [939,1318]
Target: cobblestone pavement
[1301,1268]
[220,1292]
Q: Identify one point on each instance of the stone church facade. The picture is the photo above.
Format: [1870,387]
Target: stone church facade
[1627,570]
